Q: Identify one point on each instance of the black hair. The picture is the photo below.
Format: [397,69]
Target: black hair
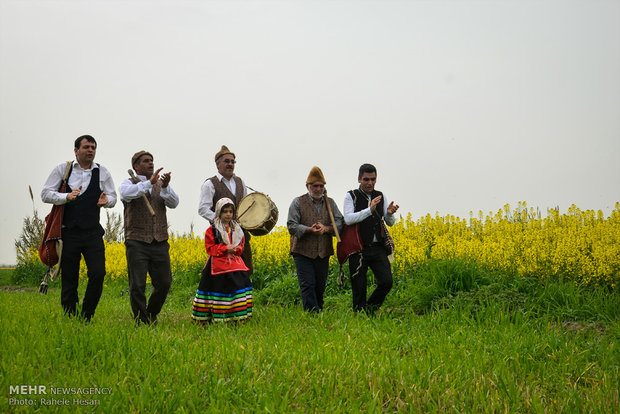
[78,141]
[227,205]
[366,168]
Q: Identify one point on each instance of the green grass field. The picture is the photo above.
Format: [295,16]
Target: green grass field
[496,348]
[5,276]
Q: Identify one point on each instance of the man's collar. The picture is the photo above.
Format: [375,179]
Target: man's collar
[364,192]
[76,164]
[221,177]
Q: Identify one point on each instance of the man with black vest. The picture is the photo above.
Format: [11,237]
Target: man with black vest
[225,184]
[369,207]
[89,187]
[311,229]
[145,199]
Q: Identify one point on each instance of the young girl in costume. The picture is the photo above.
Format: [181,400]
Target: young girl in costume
[225,290]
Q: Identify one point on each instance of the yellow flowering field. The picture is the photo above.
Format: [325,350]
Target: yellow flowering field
[582,246]
[187,254]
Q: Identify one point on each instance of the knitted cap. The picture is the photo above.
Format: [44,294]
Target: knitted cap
[137,156]
[224,151]
[315,175]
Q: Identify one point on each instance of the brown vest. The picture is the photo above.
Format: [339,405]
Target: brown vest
[140,225]
[312,245]
[222,191]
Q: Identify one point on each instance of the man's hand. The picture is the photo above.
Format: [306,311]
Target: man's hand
[319,229]
[103,200]
[374,202]
[392,208]
[322,228]
[74,194]
[155,176]
[165,179]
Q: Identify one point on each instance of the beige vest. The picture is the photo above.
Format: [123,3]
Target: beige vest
[312,245]
[140,224]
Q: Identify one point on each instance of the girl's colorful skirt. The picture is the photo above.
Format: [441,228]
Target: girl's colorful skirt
[226,297]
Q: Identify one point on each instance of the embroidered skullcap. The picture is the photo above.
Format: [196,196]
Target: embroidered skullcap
[137,156]
[315,175]
[224,151]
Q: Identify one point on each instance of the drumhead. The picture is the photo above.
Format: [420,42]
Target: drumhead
[254,210]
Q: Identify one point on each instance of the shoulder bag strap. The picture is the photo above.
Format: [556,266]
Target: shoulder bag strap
[65,177]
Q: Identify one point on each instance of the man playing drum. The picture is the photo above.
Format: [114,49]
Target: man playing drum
[224,184]
[311,225]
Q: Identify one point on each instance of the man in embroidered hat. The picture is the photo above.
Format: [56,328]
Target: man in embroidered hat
[146,235]
[224,184]
[370,208]
[311,230]
[89,187]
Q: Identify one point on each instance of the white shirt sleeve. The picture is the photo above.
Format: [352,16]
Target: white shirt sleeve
[130,191]
[350,216]
[49,193]
[171,199]
[107,186]
[389,218]
[206,201]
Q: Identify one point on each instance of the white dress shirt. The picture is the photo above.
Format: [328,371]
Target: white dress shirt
[130,191]
[79,177]
[208,190]
[352,217]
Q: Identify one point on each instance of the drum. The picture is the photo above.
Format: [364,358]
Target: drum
[257,214]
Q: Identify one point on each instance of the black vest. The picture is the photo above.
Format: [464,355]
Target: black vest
[83,212]
[371,226]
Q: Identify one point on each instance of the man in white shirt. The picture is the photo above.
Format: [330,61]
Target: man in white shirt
[369,207]
[145,200]
[225,184]
[89,187]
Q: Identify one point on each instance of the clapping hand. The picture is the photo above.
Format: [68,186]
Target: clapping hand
[165,179]
[374,202]
[155,176]
[392,208]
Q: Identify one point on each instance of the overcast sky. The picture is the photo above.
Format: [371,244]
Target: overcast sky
[462,105]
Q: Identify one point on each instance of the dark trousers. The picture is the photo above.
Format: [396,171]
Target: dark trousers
[376,258]
[153,258]
[312,277]
[77,242]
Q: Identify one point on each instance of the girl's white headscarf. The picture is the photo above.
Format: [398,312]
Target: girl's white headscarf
[237,233]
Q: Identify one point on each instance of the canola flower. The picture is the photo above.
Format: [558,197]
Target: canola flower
[187,254]
[582,246]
